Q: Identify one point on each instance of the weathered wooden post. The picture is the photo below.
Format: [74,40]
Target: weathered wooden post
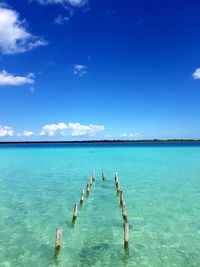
[75,212]
[58,239]
[118,188]
[103,176]
[126,235]
[93,176]
[82,197]
[88,189]
[91,181]
[121,198]
[116,179]
[124,215]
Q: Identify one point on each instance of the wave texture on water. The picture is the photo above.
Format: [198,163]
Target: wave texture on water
[40,184]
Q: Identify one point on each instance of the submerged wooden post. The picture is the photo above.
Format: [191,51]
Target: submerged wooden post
[58,238]
[124,215]
[82,197]
[88,189]
[75,212]
[121,198]
[126,235]
[103,176]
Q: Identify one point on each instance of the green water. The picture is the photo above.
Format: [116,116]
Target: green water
[40,185]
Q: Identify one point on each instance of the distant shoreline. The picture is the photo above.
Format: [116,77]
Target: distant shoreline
[105,141]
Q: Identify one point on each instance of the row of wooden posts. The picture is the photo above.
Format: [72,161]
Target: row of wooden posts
[124,214]
[88,187]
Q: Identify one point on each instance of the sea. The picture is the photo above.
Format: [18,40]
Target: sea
[40,184]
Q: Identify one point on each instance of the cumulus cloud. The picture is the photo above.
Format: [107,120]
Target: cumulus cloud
[26,133]
[74,129]
[61,19]
[6,131]
[53,129]
[129,135]
[14,38]
[80,70]
[196,74]
[78,129]
[73,3]
[9,79]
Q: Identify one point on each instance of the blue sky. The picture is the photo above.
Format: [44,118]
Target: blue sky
[99,69]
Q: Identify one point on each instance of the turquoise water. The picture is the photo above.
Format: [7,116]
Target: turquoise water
[39,186]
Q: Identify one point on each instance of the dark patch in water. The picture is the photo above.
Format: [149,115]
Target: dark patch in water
[91,255]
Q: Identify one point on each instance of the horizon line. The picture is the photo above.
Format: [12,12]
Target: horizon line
[103,141]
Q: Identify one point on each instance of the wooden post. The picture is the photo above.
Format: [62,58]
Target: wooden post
[121,198]
[124,211]
[118,188]
[116,176]
[75,212]
[103,176]
[116,179]
[93,176]
[88,189]
[90,182]
[126,235]
[58,238]
[82,197]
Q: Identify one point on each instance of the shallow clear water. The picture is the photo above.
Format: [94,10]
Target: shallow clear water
[40,184]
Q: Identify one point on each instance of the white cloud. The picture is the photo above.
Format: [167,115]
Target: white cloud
[53,129]
[14,38]
[73,3]
[196,74]
[80,69]
[129,135]
[78,129]
[9,79]
[26,134]
[6,131]
[78,2]
[61,19]
[74,129]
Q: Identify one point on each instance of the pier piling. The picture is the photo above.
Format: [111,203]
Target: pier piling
[124,214]
[126,235]
[91,181]
[88,189]
[116,179]
[75,212]
[93,176]
[103,176]
[121,198]
[58,239]
[118,188]
[82,197]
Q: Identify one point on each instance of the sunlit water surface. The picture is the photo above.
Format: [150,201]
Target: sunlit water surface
[39,185]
